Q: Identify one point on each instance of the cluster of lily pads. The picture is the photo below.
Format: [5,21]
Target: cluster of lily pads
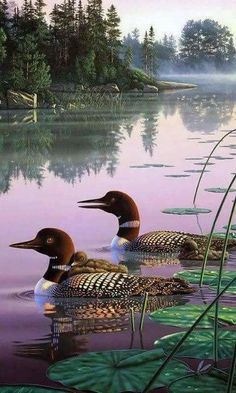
[209,340]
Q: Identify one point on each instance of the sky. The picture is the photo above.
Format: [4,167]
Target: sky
[168,16]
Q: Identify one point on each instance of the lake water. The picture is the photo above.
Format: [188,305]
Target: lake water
[152,149]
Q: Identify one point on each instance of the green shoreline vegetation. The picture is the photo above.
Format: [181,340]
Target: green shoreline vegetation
[82,46]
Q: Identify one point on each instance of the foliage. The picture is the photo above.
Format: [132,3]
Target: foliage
[29,70]
[116,371]
[2,45]
[206,42]
[186,315]
[199,344]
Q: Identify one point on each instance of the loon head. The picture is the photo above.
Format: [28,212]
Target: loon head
[52,242]
[117,203]
[123,207]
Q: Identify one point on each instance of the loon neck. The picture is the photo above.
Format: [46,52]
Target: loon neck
[129,228]
[58,269]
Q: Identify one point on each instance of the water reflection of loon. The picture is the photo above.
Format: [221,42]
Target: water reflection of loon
[73,319]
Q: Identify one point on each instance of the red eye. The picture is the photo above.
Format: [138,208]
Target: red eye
[113,200]
[50,240]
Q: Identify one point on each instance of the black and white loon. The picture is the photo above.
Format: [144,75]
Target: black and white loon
[57,282]
[187,245]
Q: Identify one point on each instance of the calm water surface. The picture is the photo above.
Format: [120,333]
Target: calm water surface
[47,165]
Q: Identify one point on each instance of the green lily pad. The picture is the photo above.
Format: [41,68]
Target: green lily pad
[203,163]
[226,278]
[185,316]
[232,227]
[222,235]
[219,190]
[206,383]
[200,344]
[177,176]
[185,211]
[195,171]
[27,389]
[210,276]
[115,371]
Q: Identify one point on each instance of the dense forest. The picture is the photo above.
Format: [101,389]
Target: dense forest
[84,45]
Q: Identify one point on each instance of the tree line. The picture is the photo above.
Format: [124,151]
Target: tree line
[204,45]
[83,44]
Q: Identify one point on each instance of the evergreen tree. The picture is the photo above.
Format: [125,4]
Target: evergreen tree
[4,17]
[113,33]
[29,71]
[152,53]
[2,45]
[145,48]
[128,57]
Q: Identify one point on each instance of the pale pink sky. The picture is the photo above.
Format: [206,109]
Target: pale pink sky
[169,16]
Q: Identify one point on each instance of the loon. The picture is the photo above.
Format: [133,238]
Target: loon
[56,282]
[186,245]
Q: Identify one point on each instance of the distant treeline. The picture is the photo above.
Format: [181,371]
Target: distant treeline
[204,45]
[83,44]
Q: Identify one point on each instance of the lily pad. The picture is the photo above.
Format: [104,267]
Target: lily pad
[203,163]
[206,383]
[226,278]
[195,171]
[232,227]
[185,316]
[115,371]
[27,389]
[199,344]
[177,175]
[219,190]
[193,276]
[222,235]
[185,211]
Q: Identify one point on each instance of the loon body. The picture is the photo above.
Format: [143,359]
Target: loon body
[57,282]
[186,245]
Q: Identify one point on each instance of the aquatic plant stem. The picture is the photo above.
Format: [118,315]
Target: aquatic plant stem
[208,159]
[232,372]
[212,231]
[185,336]
[215,342]
[132,321]
[144,306]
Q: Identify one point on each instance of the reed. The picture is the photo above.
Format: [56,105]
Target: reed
[212,231]
[215,341]
[185,336]
[232,372]
[144,306]
[208,159]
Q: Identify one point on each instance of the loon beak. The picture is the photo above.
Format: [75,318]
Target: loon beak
[98,203]
[30,244]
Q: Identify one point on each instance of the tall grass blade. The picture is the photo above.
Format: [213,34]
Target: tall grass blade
[215,342]
[212,231]
[144,306]
[132,321]
[232,372]
[185,336]
[208,159]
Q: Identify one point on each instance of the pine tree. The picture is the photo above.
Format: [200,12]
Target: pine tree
[2,45]
[4,17]
[128,57]
[145,49]
[113,32]
[29,70]
[151,52]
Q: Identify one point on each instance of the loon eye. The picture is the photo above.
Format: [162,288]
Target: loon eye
[50,240]
[113,200]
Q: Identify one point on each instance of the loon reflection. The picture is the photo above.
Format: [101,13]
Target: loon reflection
[74,320]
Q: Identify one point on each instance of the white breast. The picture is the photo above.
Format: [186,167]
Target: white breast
[44,287]
[119,243]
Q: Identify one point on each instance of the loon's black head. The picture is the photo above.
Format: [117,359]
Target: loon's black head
[117,203]
[50,241]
